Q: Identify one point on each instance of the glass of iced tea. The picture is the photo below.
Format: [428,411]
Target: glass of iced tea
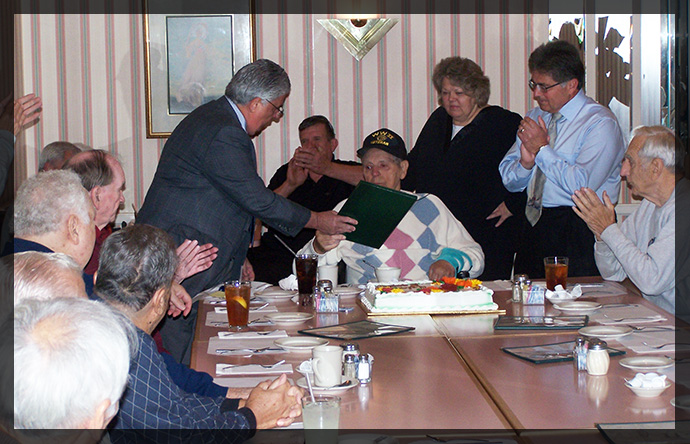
[306,265]
[556,271]
[237,294]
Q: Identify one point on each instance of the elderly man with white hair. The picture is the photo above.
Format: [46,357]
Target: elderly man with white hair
[71,361]
[642,248]
[45,276]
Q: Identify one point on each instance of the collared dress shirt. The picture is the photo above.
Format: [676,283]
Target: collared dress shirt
[588,152]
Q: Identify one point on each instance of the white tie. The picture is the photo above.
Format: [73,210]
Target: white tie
[535,192]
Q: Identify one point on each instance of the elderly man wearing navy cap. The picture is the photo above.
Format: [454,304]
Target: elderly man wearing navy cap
[427,243]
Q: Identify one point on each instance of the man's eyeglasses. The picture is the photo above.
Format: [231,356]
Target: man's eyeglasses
[280,109]
[540,86]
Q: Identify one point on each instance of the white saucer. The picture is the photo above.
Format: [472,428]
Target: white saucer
[275,292]
[681,402]
[300,343]
[646,363]
[289,318]
[347,292]
[604,331]
[577,306]
[302,382]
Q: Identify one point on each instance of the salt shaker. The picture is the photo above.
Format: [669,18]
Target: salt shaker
[597,358]
[580,354]
[364,368]
[518,280]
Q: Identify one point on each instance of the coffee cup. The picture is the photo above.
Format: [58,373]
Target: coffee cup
[329,272]
[387,274]
[327,365]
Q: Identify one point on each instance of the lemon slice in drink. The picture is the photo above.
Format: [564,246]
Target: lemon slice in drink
[240,300]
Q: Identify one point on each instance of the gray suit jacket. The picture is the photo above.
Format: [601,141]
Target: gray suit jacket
[207,188]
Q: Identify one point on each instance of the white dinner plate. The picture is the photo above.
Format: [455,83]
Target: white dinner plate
[347,292]
[275,292]
[646,363]
[605,331]
[300,343]
[681,402]
[577,306]
[302,382]
[289,318]
[366,438]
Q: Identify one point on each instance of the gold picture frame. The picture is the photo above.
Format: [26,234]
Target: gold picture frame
[189,59]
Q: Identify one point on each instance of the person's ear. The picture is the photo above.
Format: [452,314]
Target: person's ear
[254,104]
[404,165]
[73,228]
[161,300]
[95,194]
[334,144]
[101,416]
[657,166]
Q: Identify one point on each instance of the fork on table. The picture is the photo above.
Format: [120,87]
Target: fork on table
[266,366]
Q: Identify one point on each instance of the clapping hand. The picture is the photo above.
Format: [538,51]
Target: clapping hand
[597,215]
[193,258]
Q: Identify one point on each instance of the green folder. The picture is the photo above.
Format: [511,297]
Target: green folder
[378,210]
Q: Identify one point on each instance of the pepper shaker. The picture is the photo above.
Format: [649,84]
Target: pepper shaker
[597,358]
[350,368]
[580,354]
[518,280]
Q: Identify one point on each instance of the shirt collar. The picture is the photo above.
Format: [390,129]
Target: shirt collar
[240,116]
[573,106]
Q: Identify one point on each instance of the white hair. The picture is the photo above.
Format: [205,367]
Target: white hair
[44,275]
[70,354]
[45,200]
[660,143]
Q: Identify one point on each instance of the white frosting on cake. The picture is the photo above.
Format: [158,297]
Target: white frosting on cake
[415,301]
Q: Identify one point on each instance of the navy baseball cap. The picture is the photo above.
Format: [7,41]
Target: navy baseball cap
[385,140]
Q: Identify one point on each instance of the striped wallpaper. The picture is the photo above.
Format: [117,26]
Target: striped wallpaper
[89,70]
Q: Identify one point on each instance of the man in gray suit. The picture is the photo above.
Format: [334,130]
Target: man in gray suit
[206,186]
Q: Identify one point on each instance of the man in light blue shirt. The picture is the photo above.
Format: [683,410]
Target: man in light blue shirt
[569,141]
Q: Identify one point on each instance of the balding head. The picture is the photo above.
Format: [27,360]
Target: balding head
[45,276]
[103,177]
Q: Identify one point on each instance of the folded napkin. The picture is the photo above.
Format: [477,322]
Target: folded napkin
[498,285]
[242,347]
[252,369]
[636,340]
[208,294]
[252,334]
[261,308]
[244,381]
[634,314]
[288,283]
[214,319]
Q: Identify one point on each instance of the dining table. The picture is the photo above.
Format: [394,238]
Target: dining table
[450,378]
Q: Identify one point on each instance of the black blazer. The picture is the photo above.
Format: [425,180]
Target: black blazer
[207,188]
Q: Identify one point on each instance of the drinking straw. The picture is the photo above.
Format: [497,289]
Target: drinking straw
[306,368]
[285,245]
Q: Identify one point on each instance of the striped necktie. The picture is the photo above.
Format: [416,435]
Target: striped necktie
[535,191]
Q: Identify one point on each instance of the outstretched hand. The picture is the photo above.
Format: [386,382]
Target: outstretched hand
[501,212]
[329,222]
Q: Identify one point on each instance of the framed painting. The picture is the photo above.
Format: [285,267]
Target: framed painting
[189,60]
